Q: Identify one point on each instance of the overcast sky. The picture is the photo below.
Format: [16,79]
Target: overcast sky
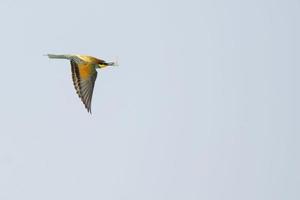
[204,105]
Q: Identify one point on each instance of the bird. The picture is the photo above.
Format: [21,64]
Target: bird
[84,74]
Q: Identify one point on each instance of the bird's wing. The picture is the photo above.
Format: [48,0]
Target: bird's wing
[84,76]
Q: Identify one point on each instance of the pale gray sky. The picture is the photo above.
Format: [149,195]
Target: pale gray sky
[204,104]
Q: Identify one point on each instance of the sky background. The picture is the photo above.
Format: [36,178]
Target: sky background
[204,105]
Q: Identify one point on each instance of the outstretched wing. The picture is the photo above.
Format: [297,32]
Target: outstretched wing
[84,76]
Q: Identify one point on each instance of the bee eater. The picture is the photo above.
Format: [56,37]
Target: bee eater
[84,74]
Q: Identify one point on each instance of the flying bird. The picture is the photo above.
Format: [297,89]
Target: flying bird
[84,74]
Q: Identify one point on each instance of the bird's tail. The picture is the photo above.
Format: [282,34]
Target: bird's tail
[58,56]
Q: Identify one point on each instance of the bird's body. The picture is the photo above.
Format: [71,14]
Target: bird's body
[84,74]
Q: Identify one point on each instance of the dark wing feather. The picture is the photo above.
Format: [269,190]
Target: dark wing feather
[87,88]
[84,87]
[76,77]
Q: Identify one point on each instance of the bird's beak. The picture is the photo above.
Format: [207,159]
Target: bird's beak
[114,63]
[102,65]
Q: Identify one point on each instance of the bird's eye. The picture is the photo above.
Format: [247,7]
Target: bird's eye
[102,65]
